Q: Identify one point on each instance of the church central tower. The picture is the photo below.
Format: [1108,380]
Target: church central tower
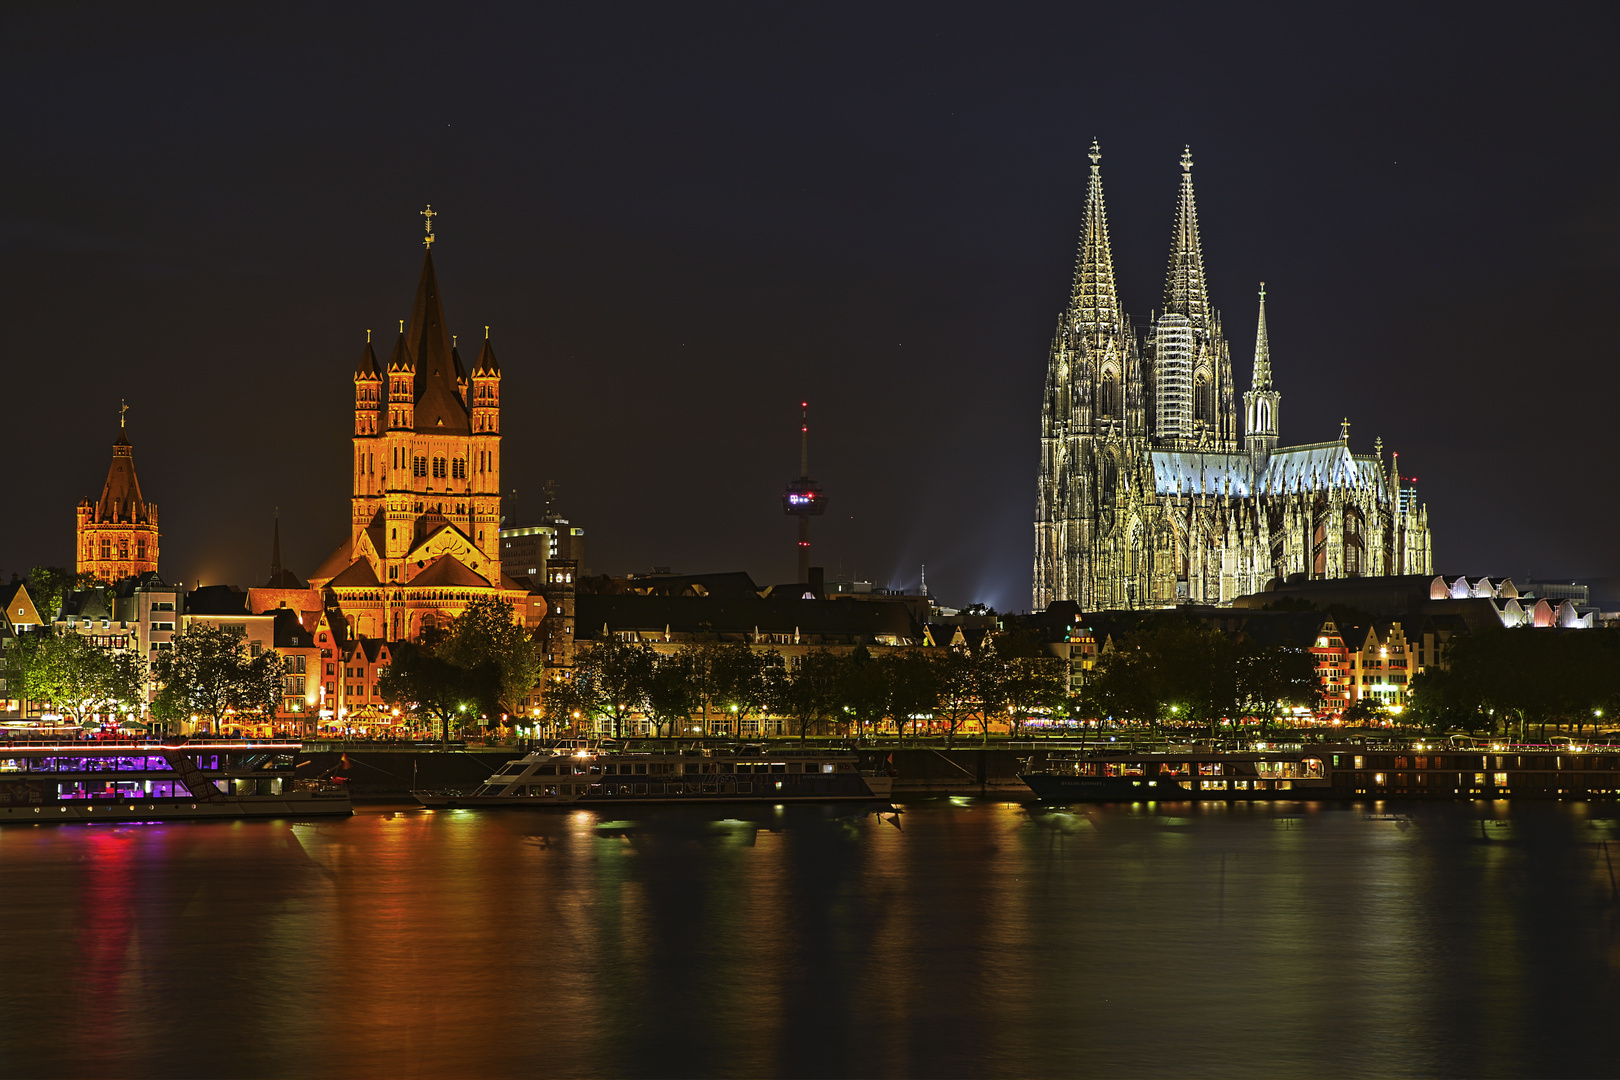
[425,497]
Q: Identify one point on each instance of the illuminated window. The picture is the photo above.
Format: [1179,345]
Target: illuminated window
[1500,779]
[438,468]
[458,469]
[419,466]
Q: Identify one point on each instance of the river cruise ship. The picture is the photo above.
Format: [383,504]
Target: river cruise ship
[1416,770]
[590,775]
[141,780]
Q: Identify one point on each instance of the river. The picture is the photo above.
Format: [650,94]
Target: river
[960,938]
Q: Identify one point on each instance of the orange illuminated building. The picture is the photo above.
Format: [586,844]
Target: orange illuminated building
[117,535]
[425,520]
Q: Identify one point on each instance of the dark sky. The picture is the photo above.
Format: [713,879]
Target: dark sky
[681,220]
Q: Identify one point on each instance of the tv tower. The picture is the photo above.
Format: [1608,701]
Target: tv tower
[804,498]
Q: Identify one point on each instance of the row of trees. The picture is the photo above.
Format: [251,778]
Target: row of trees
[207,674]
[1512,681]
[1179,670]
[1006,679]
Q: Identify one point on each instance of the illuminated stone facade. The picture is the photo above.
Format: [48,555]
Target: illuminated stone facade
[425,504]
[1148,496]
[117,535]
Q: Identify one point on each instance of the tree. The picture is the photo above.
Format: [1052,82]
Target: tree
[78,679]
[208,673]
[1034,684]
[1275,676]
[913,686]
[812,694]
[431,686]
[613,678]
[49,586]
[487,633]
[957,672]
[672,692]
[742,681]
[863,689]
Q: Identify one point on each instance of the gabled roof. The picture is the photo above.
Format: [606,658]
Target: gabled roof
[290,631]
[335,563]
[359,575]
[20,607]
[86,603]
[448,572]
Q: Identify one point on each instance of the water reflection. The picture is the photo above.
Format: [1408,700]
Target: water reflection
[962,938]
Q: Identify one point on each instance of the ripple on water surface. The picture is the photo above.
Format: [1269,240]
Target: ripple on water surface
[959,938]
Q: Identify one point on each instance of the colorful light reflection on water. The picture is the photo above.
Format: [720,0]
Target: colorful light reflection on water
[956,940]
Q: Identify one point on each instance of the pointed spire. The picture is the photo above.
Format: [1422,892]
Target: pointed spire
[1094,299]
[439,407]
[1261,379]
[1185,292]
[367,367]
[275,548]
[486,364]
[400,358]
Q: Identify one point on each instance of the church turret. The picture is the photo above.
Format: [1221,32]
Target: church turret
[1260,404]
[486,451]
[401,385]
[368,391]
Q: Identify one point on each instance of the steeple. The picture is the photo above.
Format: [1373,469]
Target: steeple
[1185,292]
[486,364]
[1261,379]
[439,408]
[1261,403]
[1094,298]
[367,367]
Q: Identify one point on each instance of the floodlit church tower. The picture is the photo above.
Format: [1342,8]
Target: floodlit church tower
[1093,415]
[117,535]
[425,506]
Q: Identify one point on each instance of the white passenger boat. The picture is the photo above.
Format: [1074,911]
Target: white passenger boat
[589,775]
[142,780]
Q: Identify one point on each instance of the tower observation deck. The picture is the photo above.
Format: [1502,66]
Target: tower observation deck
[804,498]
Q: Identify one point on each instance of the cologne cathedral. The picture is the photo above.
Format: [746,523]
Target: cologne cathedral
[1150,496]
[425,484]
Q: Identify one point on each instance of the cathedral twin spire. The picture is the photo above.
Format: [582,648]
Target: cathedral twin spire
[1187,387]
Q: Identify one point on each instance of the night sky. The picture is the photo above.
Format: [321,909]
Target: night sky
[681,221]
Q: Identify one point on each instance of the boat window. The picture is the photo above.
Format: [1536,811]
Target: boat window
[778,767]
[640,769]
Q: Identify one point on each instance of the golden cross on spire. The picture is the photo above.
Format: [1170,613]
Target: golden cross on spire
[1344,429]
[1262,292]
[1186,159]
[427,223]
[122,409]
